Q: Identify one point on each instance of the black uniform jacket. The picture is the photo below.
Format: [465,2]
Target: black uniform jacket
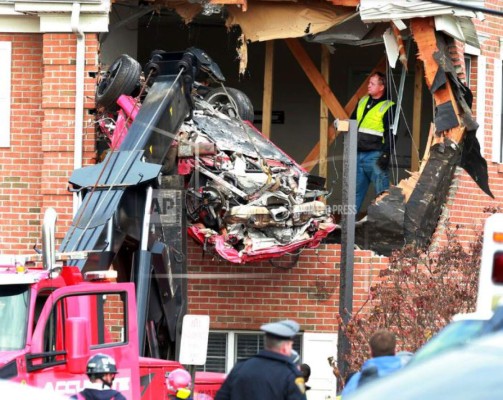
[265,376]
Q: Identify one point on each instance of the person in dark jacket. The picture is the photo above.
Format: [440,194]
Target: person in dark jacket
[374,115]
[383,362]
[271,374]
[306,373]
[101,370]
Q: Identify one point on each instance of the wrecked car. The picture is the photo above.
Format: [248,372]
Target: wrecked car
[245,198]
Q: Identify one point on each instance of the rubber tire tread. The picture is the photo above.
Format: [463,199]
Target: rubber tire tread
[243,102]
[125,82]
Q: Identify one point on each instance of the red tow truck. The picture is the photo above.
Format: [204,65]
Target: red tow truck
[53,318]
[118,283]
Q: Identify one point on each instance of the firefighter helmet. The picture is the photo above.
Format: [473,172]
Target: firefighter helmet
[178,379]
[101,364]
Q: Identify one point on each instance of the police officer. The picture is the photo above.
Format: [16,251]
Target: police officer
[101,370]
[271,374]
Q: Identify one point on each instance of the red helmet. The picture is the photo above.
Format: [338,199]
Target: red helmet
[178,379]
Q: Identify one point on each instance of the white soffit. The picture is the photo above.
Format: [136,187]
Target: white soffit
[62,23]
[391,46]
[449,25]
[19,24]
[387,10]
[98,7]
[461,29]
[469,32]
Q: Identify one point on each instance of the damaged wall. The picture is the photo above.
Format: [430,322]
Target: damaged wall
[293,94]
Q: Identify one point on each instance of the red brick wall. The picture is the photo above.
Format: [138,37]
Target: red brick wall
[246,296]
[20,166]
[34,170]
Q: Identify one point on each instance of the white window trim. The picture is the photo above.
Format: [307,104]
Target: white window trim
[232,343]
[481,101]
[497,145]
[5,92]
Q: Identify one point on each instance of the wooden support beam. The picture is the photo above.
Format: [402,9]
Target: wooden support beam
[325,73]
[268,85]
[311,159]
[416,116]
[316,78]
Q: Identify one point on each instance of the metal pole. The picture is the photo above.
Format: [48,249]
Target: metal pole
[347,243]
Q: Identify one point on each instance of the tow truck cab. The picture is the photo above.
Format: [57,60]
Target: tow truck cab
[51,322]
[490,290]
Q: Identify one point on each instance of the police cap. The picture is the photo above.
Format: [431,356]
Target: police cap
[286,329]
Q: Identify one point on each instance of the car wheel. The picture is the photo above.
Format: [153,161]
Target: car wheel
[123,77]
[228,104]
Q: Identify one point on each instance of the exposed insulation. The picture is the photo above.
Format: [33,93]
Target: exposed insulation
[280,20]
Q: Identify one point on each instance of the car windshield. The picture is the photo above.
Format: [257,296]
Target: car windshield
[14,304]
[453,335]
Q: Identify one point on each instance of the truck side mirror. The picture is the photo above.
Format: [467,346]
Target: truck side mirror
[77,344]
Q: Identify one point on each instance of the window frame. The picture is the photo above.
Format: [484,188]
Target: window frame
[5,92]
[231,350]
[497,122]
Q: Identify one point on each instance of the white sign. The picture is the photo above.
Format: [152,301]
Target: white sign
[194,346]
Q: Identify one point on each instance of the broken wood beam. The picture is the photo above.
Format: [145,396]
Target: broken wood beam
[423,31]
[416,115]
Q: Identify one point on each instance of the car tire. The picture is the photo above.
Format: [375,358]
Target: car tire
[219,99]
[123,77]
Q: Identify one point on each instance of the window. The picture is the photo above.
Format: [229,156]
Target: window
[468,68]
[5,87]
[105,315]
[217,352]
[227,348]
[14,306]
[480,105]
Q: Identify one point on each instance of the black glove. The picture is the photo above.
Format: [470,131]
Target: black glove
[383,161]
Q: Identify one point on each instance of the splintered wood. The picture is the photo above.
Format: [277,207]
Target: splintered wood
[423,31]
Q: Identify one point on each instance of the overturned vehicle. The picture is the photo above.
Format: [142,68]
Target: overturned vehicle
[244,198]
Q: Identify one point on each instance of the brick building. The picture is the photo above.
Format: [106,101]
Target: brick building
[47,79]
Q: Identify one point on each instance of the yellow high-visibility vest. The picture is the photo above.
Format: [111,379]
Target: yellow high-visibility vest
[373,123]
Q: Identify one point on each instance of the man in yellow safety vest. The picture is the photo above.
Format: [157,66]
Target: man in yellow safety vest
[375,141]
